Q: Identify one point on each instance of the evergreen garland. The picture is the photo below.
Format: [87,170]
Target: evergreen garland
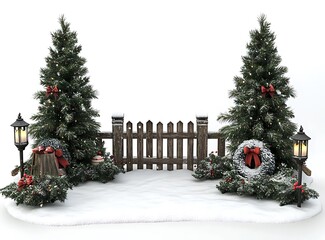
[212,167]
[103,172]
[278,187]
[49,189]
[41,191]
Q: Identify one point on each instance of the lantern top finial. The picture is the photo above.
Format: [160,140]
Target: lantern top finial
[20,122]
[300,136]
[301,129]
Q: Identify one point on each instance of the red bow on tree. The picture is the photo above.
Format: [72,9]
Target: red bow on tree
[52,90]
[270,90]
[252,153]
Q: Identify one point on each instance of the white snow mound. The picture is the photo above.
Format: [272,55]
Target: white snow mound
[159,196]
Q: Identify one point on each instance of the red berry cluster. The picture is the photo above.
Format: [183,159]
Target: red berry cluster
[25,181]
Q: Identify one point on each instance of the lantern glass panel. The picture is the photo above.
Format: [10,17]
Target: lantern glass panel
[304,149]
[21,137]
[296,149]
[300,149]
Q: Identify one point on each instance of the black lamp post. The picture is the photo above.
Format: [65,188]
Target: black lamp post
[21,139]
[300,155]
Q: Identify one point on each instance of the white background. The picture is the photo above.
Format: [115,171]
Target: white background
[163,60]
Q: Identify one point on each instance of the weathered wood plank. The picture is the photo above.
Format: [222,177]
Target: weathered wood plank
[105,135]
[190,149]
[179,144]
[170,146]
[306,170]
[159,145]
[149,149]
[164,160]
[129,146]
[164,135]
[184,135]
[140,145]
[214,135]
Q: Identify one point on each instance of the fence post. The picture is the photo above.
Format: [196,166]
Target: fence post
[202,137]
[221,146]
[117,129]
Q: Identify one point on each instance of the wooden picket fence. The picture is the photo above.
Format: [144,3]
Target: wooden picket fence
[201,136]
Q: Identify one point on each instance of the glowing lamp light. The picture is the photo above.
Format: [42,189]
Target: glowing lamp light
[300,145]
[21,136]
[20,132]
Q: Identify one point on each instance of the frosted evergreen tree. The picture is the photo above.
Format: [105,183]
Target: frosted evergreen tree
[65,111]
[260,97]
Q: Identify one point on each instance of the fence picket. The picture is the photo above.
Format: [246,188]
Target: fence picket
[179,144]
[190,149]
[149,149]
[129,147]
[201,136]
[159,144]
[170,146]
[140,145]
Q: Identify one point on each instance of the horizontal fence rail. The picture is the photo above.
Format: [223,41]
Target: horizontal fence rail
[147,135]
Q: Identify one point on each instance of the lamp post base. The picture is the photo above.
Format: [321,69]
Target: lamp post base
[299,163]
[21,163]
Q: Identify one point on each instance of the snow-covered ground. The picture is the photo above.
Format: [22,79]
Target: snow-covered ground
[159,196]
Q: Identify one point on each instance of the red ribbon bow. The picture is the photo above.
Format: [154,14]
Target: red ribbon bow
[296,186]
[270,90]
[52,90]
[58,154]
[252,153]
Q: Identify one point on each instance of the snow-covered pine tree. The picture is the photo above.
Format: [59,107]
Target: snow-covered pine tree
[65,111]
[260,96]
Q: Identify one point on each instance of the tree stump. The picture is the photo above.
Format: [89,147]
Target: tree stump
[44,164]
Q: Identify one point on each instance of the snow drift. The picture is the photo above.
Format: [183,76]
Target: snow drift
[159,196]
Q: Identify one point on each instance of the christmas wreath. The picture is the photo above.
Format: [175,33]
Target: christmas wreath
[252,158]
